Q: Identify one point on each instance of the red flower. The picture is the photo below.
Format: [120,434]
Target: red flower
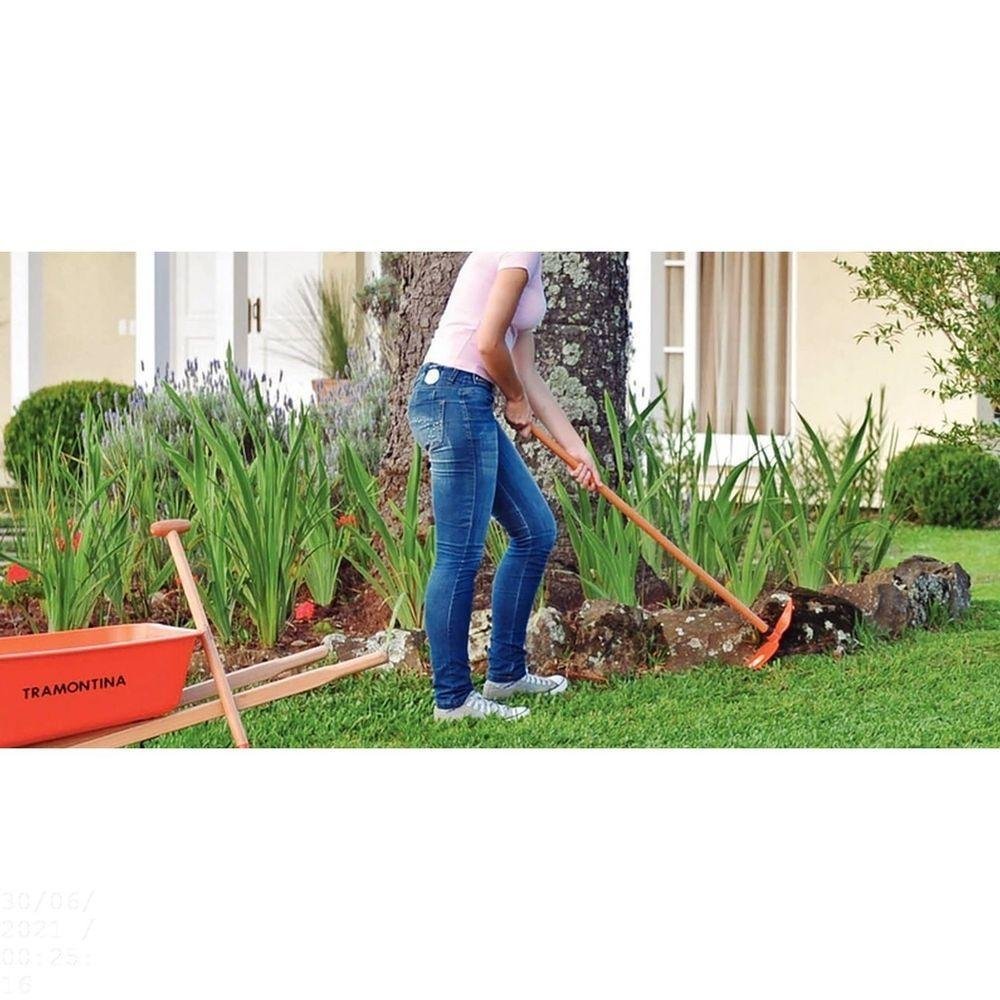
[16,574]
[346,519]
[305,612]
[61,543]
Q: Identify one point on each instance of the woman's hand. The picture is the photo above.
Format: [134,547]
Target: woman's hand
[585,473]
[518,414]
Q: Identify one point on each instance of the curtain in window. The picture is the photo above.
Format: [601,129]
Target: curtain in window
[743,341]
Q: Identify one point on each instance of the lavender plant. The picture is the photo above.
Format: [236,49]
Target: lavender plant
[358,414]
[153,442]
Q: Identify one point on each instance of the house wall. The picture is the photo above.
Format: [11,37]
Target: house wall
[84,296]
[348,267]
[834,373]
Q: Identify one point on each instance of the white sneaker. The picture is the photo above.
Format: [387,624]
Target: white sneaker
[478,707]
[528,684]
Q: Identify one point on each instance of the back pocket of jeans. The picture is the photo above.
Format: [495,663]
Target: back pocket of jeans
[426,418]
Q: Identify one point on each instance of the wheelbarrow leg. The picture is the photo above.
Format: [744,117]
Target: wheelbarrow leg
[172,531]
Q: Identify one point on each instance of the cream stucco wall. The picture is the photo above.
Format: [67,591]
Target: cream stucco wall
[84,296]
[834,373]
[346,266]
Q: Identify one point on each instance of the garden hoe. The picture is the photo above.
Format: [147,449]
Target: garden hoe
[772,636]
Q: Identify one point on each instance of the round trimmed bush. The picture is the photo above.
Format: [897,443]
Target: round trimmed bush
[948,484]
[53,413]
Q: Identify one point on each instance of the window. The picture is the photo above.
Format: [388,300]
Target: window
[722,324]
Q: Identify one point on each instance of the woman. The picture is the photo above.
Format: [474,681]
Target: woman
[485,342]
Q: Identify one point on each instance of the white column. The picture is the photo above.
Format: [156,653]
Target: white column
[642,369]
[231,302]
[372,271]
[691,289]
[25,325]
[373,264]
[153,314]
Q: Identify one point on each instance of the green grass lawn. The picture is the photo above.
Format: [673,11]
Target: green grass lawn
[939,688]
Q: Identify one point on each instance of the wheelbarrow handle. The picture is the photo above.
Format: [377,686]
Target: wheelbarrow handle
[172,530]
[160,529]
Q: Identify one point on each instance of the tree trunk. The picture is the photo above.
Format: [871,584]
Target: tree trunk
[582,347]
[424,281]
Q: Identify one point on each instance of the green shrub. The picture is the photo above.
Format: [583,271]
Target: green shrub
[947,484]
[55,414]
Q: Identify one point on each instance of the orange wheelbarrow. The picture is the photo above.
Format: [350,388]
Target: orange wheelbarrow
[117,685]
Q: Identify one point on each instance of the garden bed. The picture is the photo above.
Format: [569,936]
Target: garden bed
[935,688]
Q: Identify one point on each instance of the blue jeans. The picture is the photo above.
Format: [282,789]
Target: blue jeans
[476,473]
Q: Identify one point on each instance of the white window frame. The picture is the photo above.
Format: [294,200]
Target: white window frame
[727,449]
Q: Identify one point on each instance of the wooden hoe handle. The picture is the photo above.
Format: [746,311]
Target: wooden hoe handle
[636,518]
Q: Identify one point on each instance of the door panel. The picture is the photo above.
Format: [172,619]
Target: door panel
[194,309]
[283,349]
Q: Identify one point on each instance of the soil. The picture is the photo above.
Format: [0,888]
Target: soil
[21,620]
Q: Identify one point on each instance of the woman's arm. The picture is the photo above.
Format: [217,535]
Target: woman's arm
[492,345]
[547,407]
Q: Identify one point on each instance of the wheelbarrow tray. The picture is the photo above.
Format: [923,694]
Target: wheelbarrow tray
[56,684]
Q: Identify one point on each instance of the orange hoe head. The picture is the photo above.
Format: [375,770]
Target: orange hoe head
[772,640]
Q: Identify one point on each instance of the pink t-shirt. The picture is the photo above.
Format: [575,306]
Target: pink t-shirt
[454,341]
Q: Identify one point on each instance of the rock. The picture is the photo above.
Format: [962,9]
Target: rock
[616,638]
[546,639]
[404,647]
[344,647]
[881,602]
[928,582]
[693,636]
[479,636]
[906,596]
[821,623]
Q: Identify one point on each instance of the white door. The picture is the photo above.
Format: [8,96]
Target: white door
[275,315]
[194,310]
[283,347]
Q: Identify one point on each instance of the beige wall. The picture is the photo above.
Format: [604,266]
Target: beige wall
[346,266]
[834,374]
[84,297]
[349,268]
